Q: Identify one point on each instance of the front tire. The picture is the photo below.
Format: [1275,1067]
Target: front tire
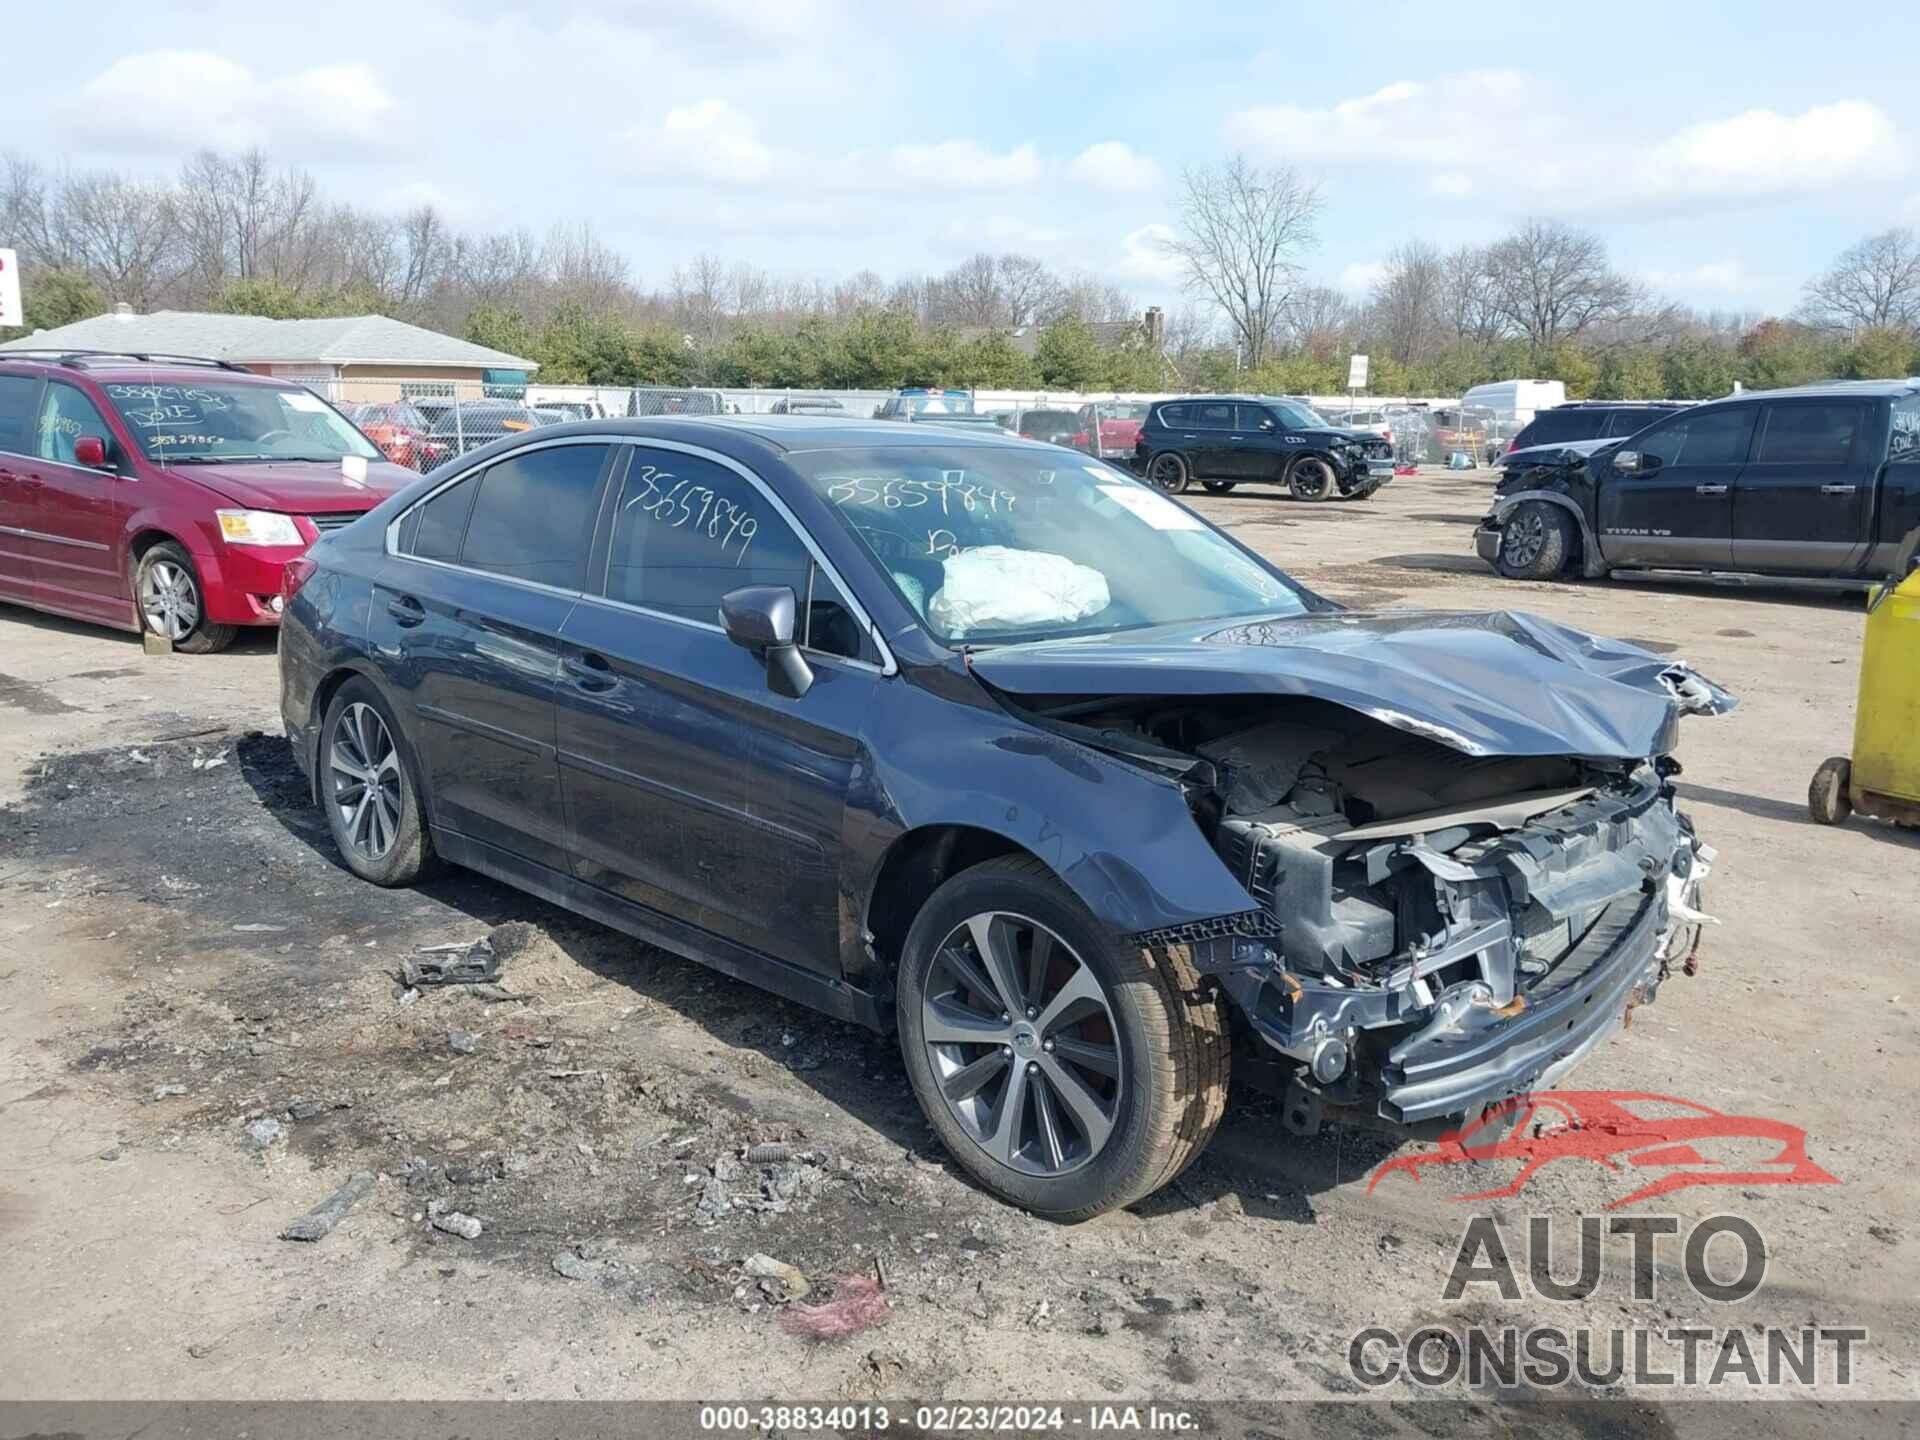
[1169,473]
[1310,478]
[172,602]
[367,785]
[1066,1070]
[1535,542]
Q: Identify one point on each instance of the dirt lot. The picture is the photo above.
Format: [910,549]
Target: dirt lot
[182,957]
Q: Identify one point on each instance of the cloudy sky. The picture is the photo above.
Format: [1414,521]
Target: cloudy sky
[1722,159]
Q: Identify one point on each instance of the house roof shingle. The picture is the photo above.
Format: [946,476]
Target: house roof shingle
[255,339]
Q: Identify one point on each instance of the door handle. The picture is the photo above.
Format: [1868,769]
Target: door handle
[1838,489]
[589,671]
[1709,489]
[406,610]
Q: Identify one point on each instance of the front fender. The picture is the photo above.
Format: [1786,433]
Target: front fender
[1592,563]
[1121,838]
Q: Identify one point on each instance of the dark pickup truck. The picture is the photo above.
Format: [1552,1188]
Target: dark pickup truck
[1819,485]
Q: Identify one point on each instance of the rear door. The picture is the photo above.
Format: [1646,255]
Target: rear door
[77,511]
[468,615]
[692,788]
[1676,506]
[1209,439]
[19,405]
[1801,503]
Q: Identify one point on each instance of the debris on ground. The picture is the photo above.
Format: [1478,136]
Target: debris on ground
[467,1227]
[265,1133]
[778,1280]
[162,1092]
[304,1107]
[463,1042]
[857,1305]
[471,963]
[318,1222]
[771,1154]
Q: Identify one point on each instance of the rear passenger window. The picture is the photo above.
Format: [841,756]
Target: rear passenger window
[687,531]
[1556,427]
[1212,417]
[1808,434]
[533,516]
[16,394]
[1905,443]
[441,524]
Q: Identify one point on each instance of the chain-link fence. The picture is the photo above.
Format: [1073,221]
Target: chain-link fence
[424,423]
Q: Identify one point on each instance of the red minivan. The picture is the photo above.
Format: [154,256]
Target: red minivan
[168,493]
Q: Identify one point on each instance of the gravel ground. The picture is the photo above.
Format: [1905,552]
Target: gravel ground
[202,1036]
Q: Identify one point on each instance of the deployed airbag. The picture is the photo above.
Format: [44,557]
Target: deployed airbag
[996,587]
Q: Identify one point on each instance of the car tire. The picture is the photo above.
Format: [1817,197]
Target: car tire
[383,838]
[1535,542]
[1166,1042]
[1830,796]
[171,601]
[1218,487]
[1310,478]
[1168,472]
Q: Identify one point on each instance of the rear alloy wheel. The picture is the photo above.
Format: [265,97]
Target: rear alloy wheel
[1218,487]
[166,587]
[1169,472]
[1311,478]
[1534,542]
[1064,1069]
[366,784]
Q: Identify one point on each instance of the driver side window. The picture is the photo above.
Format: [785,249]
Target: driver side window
[1706,437]
[65,416]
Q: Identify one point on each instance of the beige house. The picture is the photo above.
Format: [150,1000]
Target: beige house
[377,355]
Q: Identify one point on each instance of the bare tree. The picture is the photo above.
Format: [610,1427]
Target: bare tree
[1875,283]
[1241,228]
[1318,320]
[1408,301]
[700,298]
[124,233]
[1551,282]
[1029,289]
[1468,304]
[969,294]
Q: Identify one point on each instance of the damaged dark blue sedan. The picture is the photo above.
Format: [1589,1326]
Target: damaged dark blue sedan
[994,746]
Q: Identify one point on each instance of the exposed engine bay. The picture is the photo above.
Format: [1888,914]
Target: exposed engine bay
[1436,931]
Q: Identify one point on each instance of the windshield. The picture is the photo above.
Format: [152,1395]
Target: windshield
[212,421]
[940,404]
[991,545]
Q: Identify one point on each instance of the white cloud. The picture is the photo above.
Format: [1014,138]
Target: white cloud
[969,233]
[1361,276]
[1144,258]
[1507,134]
[962,165]
[1112,165]
[708,140]
[163,99]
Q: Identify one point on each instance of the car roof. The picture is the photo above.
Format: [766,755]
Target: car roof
[1615,405]
[740,435]
[1826,390]
[172,368]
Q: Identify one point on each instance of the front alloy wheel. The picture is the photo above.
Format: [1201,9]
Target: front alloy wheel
[1310,479]
[1020,1034]
[170,600]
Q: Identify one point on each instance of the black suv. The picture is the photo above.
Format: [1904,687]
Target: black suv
[1591,420]
[1223,440]
[1820,483]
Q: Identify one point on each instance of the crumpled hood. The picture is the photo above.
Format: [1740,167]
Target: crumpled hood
[298,487]
[1545,454]
[1500,683]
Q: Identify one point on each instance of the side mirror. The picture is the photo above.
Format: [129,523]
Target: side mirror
[1627,461]
[90,451]
[760,618]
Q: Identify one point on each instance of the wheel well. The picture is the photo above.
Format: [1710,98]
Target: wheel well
[323,694]
[145,541]
[917,865]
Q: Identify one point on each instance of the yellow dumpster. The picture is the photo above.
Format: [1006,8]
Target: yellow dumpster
[1882,777]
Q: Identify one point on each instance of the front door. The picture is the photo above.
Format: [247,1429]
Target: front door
[1675,507]
[467,620]
[692,788]
[1801,503]
[77,513]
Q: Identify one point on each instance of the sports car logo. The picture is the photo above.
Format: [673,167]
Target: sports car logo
[1625,1132]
